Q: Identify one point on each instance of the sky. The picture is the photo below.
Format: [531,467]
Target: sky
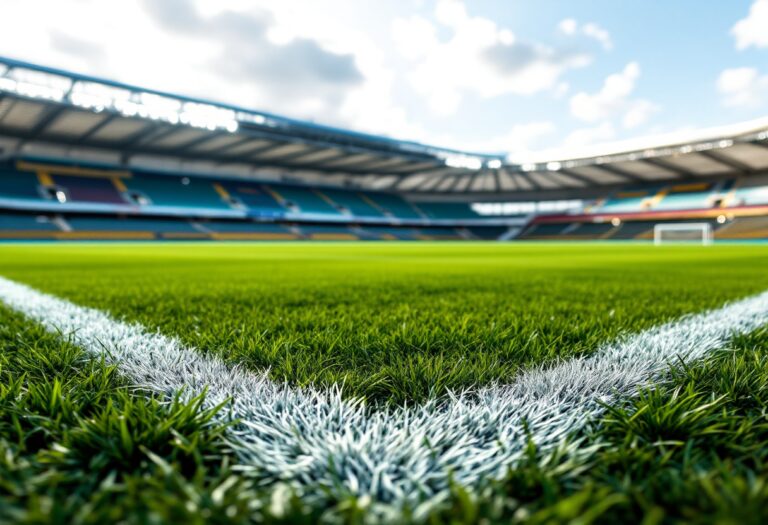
[492,76]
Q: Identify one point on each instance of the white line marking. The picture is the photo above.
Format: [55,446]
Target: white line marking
[318,441]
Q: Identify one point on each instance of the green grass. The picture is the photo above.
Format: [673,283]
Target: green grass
[691,451]
[393,323]
[80,445]
[77,445]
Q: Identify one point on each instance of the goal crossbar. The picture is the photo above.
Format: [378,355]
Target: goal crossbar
[683,227]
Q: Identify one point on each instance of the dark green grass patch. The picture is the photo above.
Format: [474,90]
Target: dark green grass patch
[694,450]
[78,445]
[393,322]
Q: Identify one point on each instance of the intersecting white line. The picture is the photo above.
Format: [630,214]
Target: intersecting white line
[320,443]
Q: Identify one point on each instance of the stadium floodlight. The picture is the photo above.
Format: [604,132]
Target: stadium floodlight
[35,84]
[98,97]
[463,161]
[683,232]
[493,164]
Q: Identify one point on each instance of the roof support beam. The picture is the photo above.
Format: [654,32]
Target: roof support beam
[294,156]
[228,147]
[201,140]
[575,176]
[333,157]
[677,170]
[96,128]
[527,176]
[262,149]
[359,163]
[431,183]
[734,164]
[47,119]
[472,179]
[452,187]
[630,177]
[496,181]
[155,131]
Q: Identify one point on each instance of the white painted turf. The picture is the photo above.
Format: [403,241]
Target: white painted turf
[320,444]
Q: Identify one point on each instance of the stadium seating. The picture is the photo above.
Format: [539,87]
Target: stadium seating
[744,228]
[630,230]
[439,233]
[751,192]
[305,200]
[89,189]
[139,224]
[487,232]
[353,203]
[180,192]
[589,230]
[393,234]
[255,196]
[627,201]
[19,185]
[395,205]
[686,197]
[328,233]
[25,223]
[447,210]
[246,230]
[231,206]
[545,230]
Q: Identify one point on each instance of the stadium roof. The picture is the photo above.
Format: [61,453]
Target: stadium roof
[44,109]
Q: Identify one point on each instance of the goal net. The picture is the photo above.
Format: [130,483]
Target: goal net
[683,232]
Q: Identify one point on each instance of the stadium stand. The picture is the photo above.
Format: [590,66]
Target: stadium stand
[23,224]
[352,203]
[744,228]
[253,196]
[632,230]
[180,192]
[394,206]
[327,233]
[251,175]
[303,200]
[447,210]
[15,185]
[82,189]
[686,197]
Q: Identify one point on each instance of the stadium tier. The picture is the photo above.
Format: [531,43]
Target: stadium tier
[77,163]
[43,199]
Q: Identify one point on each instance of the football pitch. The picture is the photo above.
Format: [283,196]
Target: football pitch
[354,382]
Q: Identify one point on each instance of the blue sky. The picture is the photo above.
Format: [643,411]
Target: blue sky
[484,75]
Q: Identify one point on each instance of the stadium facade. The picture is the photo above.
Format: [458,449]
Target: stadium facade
[85,158]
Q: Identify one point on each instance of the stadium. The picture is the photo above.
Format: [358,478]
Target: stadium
[89,159]
[215,314]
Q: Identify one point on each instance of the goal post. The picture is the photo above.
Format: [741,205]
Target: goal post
[683,232]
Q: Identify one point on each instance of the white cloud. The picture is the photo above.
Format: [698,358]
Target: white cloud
[592,135]
[596,32]
[415,37]
[753,30]
[175,54]
[638,113]
[568,26]
[614,99]
[477,57]
[571,27]
[743,87]
[521,138]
